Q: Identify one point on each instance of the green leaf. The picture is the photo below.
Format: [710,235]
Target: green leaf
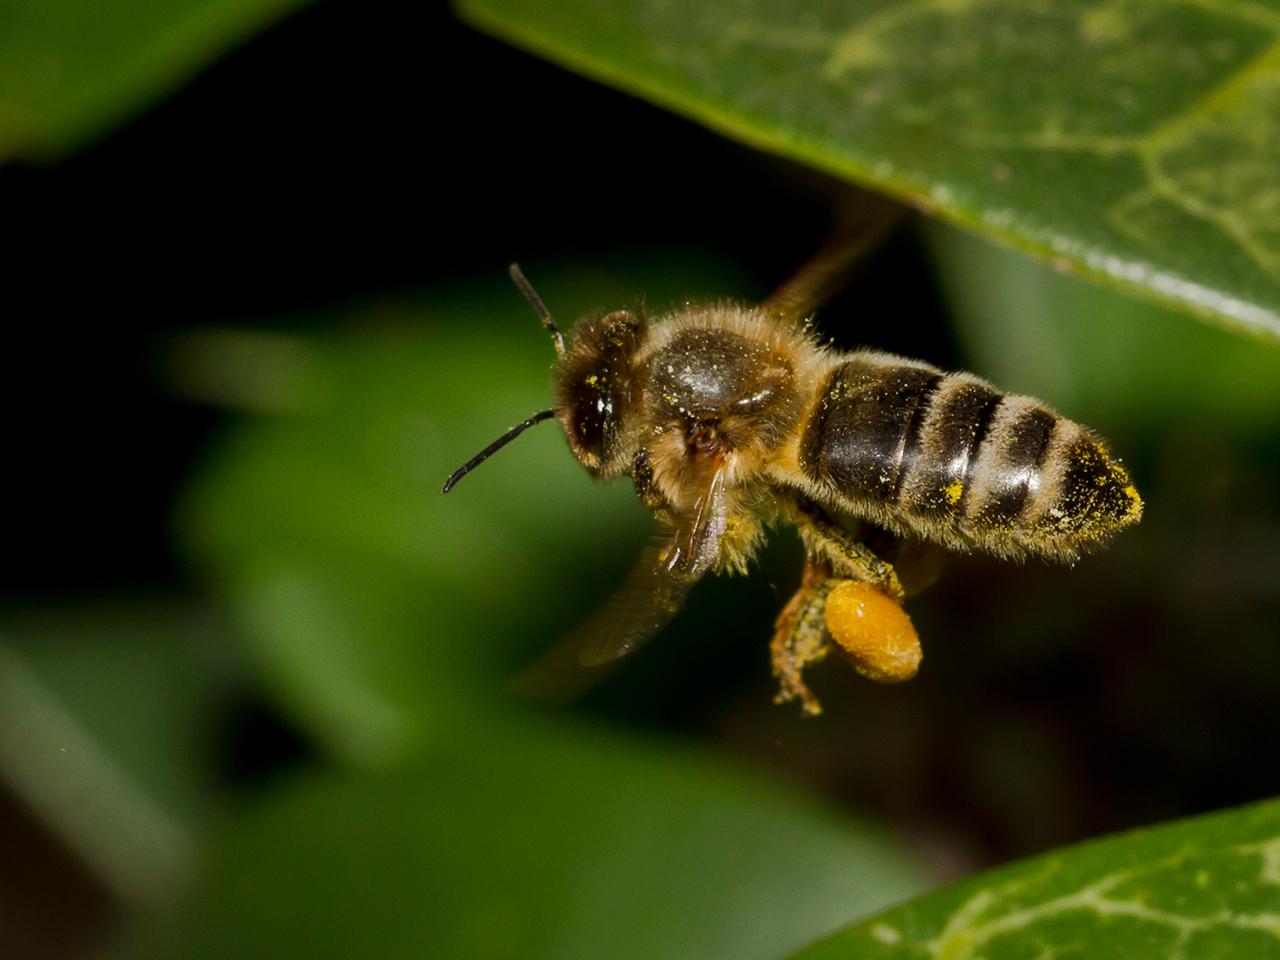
[536,843]
[1199,889]
[107,732]
[377,608]
[71,69]
[1132,141]
[1119,364]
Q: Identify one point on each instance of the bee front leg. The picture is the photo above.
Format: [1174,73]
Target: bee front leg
[800,636]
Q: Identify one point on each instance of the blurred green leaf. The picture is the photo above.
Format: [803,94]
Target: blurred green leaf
[377,608]
[1109,360]
[1202,888]
[539,844]
[71,69]
[107,714]
[1131,142]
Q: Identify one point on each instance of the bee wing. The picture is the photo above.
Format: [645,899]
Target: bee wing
[657,585]
[829,270]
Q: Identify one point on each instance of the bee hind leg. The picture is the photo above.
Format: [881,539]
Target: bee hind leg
[800,636]
[848,558]
[850,596]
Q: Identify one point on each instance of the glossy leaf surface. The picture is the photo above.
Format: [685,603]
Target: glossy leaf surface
[1134,142]
[1199,889]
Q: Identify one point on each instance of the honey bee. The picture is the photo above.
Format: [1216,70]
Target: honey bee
[731,418]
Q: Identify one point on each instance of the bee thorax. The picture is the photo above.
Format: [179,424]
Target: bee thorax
[708,374]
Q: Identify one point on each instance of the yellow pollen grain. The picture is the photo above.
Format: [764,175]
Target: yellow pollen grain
[953,492]
[1135,501]
[874,631]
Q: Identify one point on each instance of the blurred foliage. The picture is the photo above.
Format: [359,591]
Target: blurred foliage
[116,701]
[70,69]
[529,840]
[1203,889]
[378,608]
[1129,142]
[1132,142]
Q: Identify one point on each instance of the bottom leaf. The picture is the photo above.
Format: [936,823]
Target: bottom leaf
[1194,890]
[533,841]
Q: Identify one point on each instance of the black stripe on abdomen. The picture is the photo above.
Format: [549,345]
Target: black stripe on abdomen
[1024,446]
[914,434]
[866,429]
[939,477]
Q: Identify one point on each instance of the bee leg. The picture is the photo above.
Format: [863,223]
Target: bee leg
[857,607]
[800,636]
[848,558]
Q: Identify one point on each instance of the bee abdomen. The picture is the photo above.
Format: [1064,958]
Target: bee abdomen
[866,427]
[950,458]
[1091,496]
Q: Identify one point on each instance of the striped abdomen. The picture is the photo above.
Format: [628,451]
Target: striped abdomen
[950,458]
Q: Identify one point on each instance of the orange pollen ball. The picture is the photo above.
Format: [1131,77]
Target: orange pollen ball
[874,631]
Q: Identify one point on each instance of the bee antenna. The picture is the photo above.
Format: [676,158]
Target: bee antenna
[522,283]
[494,447]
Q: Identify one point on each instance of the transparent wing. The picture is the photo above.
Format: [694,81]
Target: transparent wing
[829,270]
[657,585]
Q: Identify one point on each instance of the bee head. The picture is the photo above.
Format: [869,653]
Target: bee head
[594,388]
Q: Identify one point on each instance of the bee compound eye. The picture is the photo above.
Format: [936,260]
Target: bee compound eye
[874,631]
[592,409]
